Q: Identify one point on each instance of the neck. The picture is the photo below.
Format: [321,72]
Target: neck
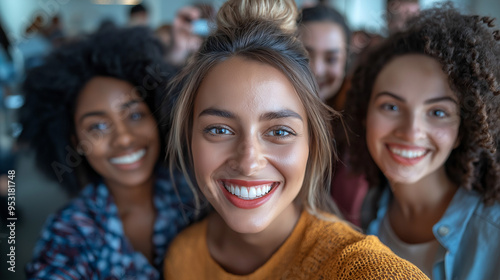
[137,213]
[128,198]
[431,193]
[243,253]
[419,206]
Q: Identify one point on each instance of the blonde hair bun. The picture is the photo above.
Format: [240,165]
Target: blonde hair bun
[236,13]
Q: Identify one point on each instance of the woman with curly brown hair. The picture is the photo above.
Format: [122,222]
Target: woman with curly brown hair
[427,114]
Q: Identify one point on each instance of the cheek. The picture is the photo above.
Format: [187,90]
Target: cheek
[208,163]
[206,159]
[445,137]
[150,131]
[291,160]
[374,127]
[335,70]
[95,152]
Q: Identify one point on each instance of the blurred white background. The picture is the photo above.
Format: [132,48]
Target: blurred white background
[85,15]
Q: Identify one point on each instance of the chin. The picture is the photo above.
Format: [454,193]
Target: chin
[133,181]
[402,178]
[246,225]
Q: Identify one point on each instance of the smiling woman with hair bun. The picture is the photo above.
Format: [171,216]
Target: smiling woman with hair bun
[258,140]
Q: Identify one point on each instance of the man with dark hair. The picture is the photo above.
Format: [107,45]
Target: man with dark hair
[139,15]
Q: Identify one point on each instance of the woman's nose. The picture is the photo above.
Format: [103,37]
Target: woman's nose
[248,157]
[411,128]
[123,136]
[317,67]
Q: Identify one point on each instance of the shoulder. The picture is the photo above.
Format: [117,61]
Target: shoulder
[489,214]
[344,253]
[483,223]
[328,227]
[368,258]
[77,216]
[61,251]
[336,238]
[191,237]
[68,229]
[190,244]
[467,209]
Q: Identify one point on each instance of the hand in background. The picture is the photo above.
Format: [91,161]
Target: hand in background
[184,42]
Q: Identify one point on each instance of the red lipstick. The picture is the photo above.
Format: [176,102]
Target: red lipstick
[250,203]
[247,183]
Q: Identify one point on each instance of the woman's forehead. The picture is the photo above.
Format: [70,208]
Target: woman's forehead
[247,86]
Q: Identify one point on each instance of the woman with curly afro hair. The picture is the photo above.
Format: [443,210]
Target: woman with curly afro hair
[426,110]
[92,120]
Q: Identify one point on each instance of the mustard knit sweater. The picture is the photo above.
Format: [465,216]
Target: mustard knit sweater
[316,249]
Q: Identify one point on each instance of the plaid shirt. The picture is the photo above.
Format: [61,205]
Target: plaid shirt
[85,240]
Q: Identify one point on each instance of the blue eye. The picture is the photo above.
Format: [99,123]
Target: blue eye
[389,107]
[218,131]
[99,126]
[136,116]
[439,113]
[279,133]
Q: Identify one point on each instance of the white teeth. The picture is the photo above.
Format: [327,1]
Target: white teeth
[407,153]
[248,192]
[244,192]
[128,159]
[252,193]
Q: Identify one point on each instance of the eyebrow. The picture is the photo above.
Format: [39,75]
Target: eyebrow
[130,103]
[280,115]
[429,101]
[266,116]
[102,113]
[217,113]
[380,94]
[90,114]
[439,99]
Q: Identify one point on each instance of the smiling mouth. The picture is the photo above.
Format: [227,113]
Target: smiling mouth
[407,156]
[410,154]
[249,193]
[248,190]
[130,158]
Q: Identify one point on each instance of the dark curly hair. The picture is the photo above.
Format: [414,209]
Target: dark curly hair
[468,50]
[131,54]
